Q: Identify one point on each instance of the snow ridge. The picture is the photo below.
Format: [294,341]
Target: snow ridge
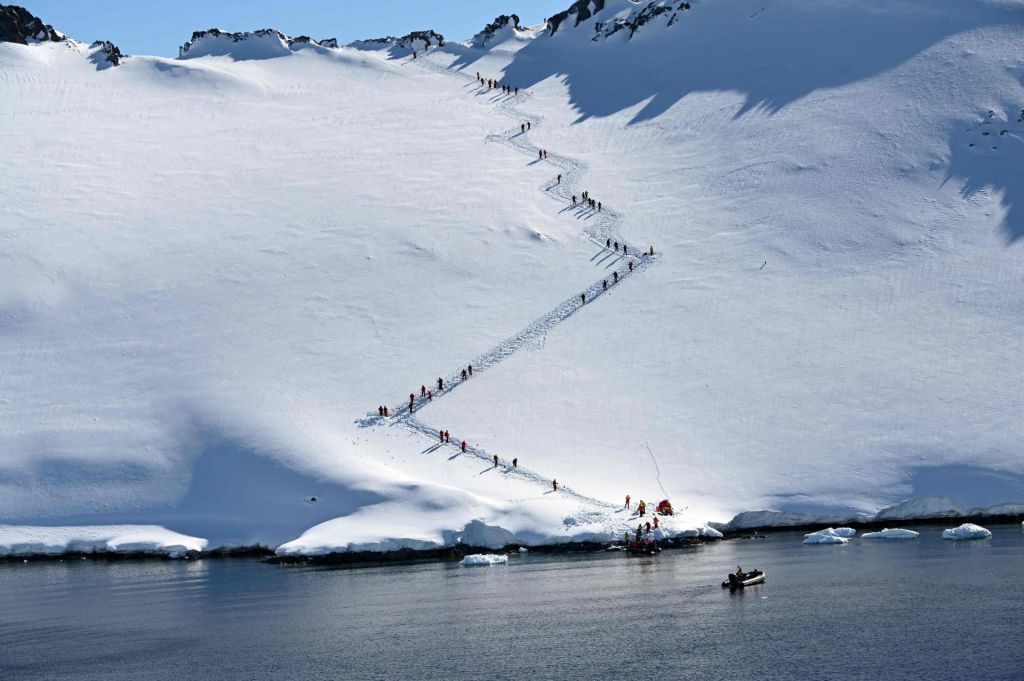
[602,227]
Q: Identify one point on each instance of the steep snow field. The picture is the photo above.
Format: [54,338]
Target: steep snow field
[216,267]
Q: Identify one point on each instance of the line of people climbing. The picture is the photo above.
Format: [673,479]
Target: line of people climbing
[587,200]
[493,83]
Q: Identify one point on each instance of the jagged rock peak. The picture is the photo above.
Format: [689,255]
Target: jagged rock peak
[108,52]
[18,25]
[485,36]
[412,40]
[634,14]
[205,42]
[581,10]
[640,16]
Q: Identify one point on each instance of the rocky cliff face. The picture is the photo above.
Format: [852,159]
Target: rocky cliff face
[577,12]
[18,25]
[630,17]
[108,52]
[505,21]
[645,14]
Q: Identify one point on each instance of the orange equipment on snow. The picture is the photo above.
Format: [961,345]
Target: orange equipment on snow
[664,507]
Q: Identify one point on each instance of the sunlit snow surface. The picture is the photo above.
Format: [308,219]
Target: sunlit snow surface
[228,259]
[18,541]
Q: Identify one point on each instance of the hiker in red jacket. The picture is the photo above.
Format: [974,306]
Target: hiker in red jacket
[463,446]
[495,460]
[447,437]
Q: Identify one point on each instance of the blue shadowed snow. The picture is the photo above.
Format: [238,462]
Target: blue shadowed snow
[844,43]
[235,497]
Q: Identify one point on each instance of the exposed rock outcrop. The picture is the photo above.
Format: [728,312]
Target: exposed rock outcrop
[484,37]
[638,14]
[266,42]
[414,40]
[18,25]
[107,51]
[579,11]
[644,15]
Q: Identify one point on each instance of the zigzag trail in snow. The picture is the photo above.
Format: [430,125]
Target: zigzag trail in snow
[600,225]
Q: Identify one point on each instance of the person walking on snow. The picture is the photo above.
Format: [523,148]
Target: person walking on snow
[430,396]
[615,277]
[559,178]
[583,298]
[655,522]
[470,367]
[604,286]
[607,243]
[574,199]
[517,91]
[652,250]
[522,128]
[380,410]
[495,460]
[423,391]
[598,205]
[630,265]
[463,446]
[627,501]
[463,374]
[624,251]
[385,411]
[515,462]
[440,384]
[554,485]
[540,153]
[447,437]
[440,435]
[616,246]
[527,126]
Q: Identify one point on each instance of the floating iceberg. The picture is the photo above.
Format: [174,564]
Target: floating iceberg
[966,531]
[710,533]
[894,533]
[484,559]
[828,536]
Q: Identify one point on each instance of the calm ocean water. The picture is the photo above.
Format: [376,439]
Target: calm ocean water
[922,610]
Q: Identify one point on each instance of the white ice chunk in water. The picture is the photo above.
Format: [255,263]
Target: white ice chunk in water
[826,536]
[893,533]
[966,531]
[484,559]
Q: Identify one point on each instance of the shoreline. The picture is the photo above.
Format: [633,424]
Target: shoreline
[267,555]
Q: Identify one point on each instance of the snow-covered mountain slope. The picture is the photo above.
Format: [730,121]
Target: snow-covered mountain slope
[217,266]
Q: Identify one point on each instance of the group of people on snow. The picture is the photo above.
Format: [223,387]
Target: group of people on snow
[491,83]
[587,200]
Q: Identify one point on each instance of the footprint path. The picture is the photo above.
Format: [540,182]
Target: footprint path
[600,226]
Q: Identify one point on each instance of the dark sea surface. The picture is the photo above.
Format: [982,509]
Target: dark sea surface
[925,609]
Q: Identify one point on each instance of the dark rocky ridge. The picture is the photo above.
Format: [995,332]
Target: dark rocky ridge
[428,37]
[641,17]
[483,37]
[18,25]
[109,51]
[581,10]
[238,37]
